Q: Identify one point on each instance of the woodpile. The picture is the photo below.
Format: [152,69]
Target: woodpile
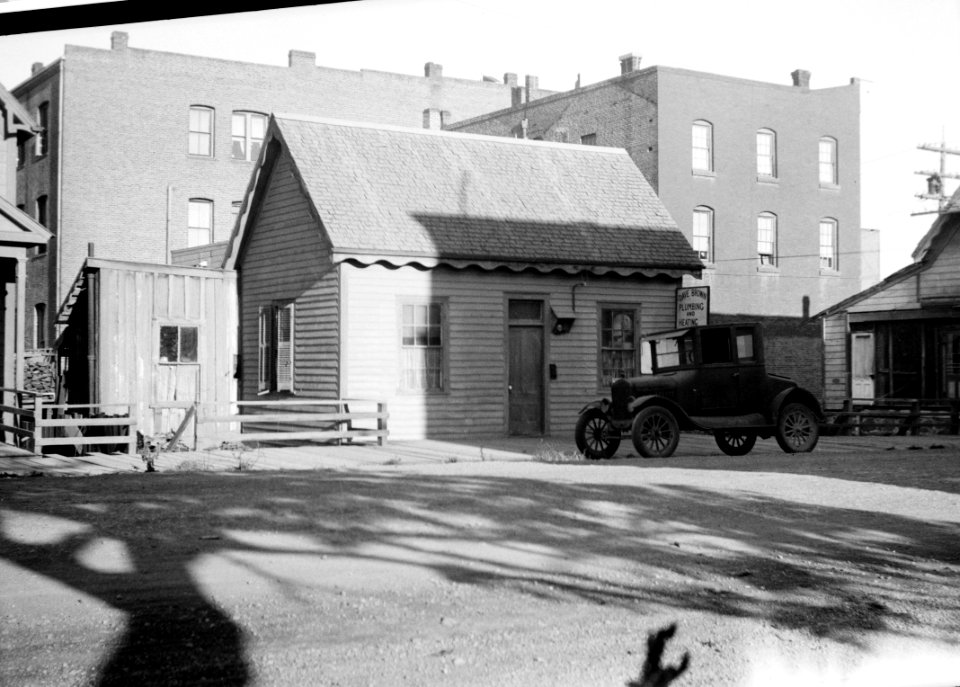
[40,372]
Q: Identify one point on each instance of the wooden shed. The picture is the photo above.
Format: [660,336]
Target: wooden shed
[157,337]
[478,285]
[901,338]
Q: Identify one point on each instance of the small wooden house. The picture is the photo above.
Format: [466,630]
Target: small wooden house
[901,337]
[478,285]
[157,337]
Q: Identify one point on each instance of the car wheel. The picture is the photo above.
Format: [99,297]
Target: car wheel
[596,438]
[735,443]
[797,428]
[655,432]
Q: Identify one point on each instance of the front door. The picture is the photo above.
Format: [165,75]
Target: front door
[862,369]
[525,367]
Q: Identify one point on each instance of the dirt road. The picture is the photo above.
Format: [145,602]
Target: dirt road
[821,569]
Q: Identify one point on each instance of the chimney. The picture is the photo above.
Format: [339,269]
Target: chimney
[432,118]
[36,67]
[516,96]
[510,79]
[801,78]
[118,40]
[532,84]
[629,63]
[301,58]
[433,70]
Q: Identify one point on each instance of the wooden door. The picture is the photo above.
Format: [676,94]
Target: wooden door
[862,365]
[525,386]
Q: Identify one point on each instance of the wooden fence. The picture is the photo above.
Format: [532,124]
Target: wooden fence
[35,424]
[896,416]
[293,420]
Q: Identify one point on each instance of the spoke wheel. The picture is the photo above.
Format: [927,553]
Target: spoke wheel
[735,443]
[797,428]
[655,432]
[596,438]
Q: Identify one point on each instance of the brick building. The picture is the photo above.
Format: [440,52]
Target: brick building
[762,178]
[147,153]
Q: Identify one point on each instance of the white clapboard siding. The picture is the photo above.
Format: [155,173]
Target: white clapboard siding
[836,361]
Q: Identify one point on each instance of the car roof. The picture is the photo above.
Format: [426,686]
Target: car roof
[667,333]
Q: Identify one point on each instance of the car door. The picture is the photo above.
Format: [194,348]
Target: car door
[718,379]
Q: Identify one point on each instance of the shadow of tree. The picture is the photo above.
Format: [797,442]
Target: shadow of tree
[835,572]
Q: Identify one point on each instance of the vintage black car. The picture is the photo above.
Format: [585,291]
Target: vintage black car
[711,379]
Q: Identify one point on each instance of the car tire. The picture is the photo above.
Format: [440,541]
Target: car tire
[595,436]
[655,432]
[797,428]
[735,443]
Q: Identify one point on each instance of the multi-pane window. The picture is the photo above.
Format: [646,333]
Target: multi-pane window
[43,136]
[767,238]
[421,347]
[199,222]
[703,232]
[275,347]
[40,325]
[702,140]
[829,253]
[828,161]
[618,344]
[766,153]
[248,129]
[178,344]
[43,218]
[200,140]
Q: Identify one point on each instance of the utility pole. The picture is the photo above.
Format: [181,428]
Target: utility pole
[935,190]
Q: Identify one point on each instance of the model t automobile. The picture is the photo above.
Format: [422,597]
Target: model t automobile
[710,378]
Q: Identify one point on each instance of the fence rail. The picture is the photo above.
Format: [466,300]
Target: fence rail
[35,423]
[295,420]
[900,416]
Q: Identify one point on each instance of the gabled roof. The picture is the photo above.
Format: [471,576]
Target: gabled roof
[405,196]
[17,228]
[14,116]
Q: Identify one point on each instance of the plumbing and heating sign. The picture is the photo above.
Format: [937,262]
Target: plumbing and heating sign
[693,306]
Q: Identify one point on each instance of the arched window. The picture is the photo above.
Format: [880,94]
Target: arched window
[829,244]
[766,153]
[40,325]
[767,238]
[702,142]
[703,232]
[200,139]
[43,135]
[248,129]
[828,161]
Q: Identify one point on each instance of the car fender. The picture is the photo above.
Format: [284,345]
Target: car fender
[641,402]
[795,395]
[603,405]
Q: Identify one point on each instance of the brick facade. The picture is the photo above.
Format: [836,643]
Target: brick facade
[126,176]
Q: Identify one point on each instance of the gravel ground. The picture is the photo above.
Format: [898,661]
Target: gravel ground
[814,570]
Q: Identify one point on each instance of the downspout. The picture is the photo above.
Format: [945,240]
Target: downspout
[59,183]
[93,334]
[170,190]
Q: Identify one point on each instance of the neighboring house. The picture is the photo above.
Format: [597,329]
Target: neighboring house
[478,285]
[763,179]
[901,337]
[19,234]
[145,153]
[157,337]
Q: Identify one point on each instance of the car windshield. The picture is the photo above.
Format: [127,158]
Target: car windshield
[670,351]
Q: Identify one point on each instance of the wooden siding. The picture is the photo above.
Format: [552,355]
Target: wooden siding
[134,302]
[475,399]
[899,296]
[941,281]
[287,258]
[836,361]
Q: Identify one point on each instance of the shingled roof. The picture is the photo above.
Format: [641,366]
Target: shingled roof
[402,196]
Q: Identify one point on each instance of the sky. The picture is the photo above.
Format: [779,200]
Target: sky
[905,53]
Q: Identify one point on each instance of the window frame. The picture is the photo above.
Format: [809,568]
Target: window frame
[773,240]
[407,372]
[615,309]
[831,164]
[706,148]
[200,134]
[833,229]
[269,377]
[699,211]
[192,228]
[40,325]
[179,326]
[247,136]
[588,139]
[42,141]
[770,157]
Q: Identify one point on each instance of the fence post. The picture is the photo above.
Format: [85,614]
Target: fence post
[381,424]
[954,417]
[37,424]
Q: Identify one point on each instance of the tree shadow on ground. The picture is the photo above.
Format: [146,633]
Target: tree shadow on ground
[835,572]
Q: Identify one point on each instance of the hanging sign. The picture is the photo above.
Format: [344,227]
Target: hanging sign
[693,306]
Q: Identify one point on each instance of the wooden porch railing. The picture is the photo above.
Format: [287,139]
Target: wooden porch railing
[900,416]
[66,424]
